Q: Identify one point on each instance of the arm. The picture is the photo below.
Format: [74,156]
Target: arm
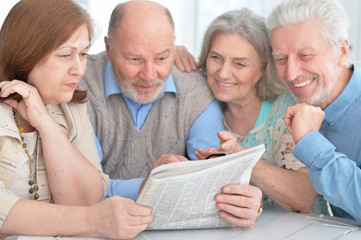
[333,174]
[112,218]
[203,132]
[292,189]
[63,161]
[131,188]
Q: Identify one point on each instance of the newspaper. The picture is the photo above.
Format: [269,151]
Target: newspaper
[181,194]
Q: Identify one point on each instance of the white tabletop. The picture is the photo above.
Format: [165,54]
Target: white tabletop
[270,225]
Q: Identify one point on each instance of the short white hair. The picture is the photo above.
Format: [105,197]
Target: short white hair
[333,19]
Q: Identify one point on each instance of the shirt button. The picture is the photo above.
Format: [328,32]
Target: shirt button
[331,121]
[322,132]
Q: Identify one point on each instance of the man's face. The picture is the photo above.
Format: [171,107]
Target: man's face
[142,60]
[307,64]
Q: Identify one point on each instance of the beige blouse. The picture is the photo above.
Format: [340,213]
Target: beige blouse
[75,122]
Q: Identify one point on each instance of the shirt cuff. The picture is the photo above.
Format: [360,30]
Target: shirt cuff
[7,201]
[125,188]
[310,147]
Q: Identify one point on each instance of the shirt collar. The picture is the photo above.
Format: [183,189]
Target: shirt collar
[347,97]
[111,86]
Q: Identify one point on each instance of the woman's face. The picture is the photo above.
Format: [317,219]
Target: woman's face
[233,68]
[57,76]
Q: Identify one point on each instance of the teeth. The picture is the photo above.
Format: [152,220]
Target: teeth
[226,84]
[302,84]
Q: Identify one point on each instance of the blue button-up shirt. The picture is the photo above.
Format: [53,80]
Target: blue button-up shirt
[333,154]
[201,134]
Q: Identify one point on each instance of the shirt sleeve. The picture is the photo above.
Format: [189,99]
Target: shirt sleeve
[332,173]
[203,132]
[125,188]
[7,201]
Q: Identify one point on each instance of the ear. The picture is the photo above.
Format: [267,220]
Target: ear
[344,51]
[107,47]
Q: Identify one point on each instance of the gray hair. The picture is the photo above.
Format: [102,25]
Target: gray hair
[334,21]
[116,18]
[250,27]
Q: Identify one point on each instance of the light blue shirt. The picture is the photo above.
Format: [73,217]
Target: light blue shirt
[201,134]
[333,154]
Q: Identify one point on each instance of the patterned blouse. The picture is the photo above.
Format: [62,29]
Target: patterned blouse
[271,130]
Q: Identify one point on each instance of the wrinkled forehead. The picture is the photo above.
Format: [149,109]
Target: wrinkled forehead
[296,37]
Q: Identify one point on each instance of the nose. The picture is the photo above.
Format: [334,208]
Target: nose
[78,66]
[148,72]
[293,68]
[225,71]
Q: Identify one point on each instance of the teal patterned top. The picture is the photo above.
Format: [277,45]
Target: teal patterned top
[271,131]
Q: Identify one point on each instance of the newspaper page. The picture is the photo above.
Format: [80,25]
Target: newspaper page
[181,194]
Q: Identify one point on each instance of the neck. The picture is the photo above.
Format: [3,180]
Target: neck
[241,118]
[251,105]
[343,79]
[25,124]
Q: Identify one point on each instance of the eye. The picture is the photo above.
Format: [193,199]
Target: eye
[160,60]
[240,64]
[216,57]
[84,54]
[134,60]
[65,55]
[306,57]
[280,60]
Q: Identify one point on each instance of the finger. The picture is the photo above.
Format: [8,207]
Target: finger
[191,63]
[178,63]
[239,201]
[6,89]
[288,116]
[237,211]
[240,222]
[225,136]
[199,155]
[194,64]
[140,220]
[242,189]
[14,104]
[169,158]
[186,59]
[137,210]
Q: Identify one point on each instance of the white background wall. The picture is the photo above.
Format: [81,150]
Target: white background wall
[192,17]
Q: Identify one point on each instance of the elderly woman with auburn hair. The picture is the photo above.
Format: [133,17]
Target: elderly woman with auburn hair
[47,147]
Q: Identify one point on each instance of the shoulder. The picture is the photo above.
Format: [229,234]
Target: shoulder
[282,102]
[74,111]
[192,83]
[95,69]
[100,58]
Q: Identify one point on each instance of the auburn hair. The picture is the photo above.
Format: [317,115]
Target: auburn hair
[32,30]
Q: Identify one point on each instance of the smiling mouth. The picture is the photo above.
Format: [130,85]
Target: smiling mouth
[302,84]
[226,84]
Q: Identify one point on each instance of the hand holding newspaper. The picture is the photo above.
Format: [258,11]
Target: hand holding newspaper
[181,194]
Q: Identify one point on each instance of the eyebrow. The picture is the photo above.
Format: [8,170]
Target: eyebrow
[139,55]
[236,58]
[73,48]
[297,49]
[163,52]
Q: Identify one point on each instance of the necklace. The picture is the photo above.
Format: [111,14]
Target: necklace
[33,177]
